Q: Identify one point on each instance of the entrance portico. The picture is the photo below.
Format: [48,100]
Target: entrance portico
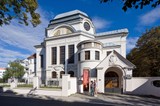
[113,73]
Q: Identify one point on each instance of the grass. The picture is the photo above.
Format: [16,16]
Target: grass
[25,85]
[5,85]
[50,87]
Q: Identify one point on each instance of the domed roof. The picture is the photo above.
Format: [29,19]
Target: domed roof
[70,13]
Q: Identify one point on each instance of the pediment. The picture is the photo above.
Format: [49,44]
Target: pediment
[115,59]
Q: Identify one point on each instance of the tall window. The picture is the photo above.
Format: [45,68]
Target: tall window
[87,55]
[79,56]
[96,55]
[54,55]
[71,54]
[41,56]
[62,54]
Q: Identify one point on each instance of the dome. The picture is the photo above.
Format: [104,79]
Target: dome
[70,13]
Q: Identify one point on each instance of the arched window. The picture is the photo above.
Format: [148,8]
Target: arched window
[57,32]
[156,83]
[62,31]
[54,74]
[62,72]
[71,73]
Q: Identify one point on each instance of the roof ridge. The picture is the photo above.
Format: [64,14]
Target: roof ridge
[125,30]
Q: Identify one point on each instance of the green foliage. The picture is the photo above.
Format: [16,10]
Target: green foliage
[146,54]
[136,3]
[25,85]
[1,80]
[50,87]
[15,70]
[19,9]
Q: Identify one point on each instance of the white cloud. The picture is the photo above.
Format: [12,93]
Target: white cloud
[100,23]
[21,37]
[150,17]
[10,55]
[131,43]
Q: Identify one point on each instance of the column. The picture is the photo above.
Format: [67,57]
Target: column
[66,59]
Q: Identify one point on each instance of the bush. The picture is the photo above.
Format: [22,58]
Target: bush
[1,81]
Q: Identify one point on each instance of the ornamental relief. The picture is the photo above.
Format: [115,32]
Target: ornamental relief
[62,31]
[112,60]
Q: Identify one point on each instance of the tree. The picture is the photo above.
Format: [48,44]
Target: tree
[146,54]
[136,3]
[19,9]
[15,70]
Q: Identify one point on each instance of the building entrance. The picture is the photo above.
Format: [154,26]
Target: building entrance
[112,82]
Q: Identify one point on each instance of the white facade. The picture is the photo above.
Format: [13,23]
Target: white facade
[2,71]
[30,67]
[71,46]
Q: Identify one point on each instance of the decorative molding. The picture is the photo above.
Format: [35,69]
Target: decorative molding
[112,60]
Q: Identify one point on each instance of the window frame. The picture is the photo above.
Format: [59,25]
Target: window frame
[41,63]
[97,55]
[54,56]
[71,54]
[62,54]
[87,55]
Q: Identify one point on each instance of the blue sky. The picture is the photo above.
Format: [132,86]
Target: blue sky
[17,41]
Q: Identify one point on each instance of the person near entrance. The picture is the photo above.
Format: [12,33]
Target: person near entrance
[92,88]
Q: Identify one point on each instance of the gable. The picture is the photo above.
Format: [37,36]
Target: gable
[115,59]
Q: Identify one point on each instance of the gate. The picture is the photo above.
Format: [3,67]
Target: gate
[112,83]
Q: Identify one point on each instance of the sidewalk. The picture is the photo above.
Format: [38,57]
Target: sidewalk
[105,99]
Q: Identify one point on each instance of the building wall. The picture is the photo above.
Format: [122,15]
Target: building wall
[31,69]
[112,42]
[144,86]
[74,40]
[57,43]
[2,71]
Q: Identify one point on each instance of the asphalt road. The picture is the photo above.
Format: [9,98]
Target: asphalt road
[21,101]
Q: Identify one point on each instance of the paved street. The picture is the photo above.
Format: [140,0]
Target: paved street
[8,99]
[20,101]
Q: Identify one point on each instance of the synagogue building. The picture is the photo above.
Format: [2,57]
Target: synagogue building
[72,46]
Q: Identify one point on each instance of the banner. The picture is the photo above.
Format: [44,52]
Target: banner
[85,77]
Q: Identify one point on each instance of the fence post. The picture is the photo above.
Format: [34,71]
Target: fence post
[13,83]
[65,84]
[36,83]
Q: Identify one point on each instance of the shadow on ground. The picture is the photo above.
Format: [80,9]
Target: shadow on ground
[10,98]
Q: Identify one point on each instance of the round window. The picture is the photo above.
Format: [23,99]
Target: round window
[156,83]
[86,26]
